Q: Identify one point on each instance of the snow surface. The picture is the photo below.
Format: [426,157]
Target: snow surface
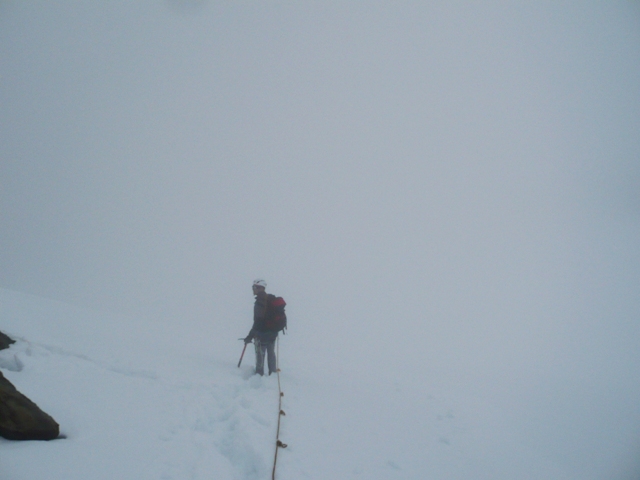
[141,400]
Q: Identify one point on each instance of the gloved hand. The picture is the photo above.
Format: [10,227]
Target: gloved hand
[247,339]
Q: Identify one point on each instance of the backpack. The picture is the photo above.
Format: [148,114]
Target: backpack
[275,319]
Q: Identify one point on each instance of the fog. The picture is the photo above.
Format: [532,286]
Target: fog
[448,191]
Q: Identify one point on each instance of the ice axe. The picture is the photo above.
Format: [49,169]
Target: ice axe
[245,347]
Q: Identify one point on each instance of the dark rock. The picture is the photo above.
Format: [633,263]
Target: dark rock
[21,419]
[5,341]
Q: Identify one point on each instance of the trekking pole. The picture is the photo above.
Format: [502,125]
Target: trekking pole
[245,347]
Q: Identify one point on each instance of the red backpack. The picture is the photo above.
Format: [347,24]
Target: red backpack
[275,319]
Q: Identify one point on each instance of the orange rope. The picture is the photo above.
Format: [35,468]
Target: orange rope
[281,413]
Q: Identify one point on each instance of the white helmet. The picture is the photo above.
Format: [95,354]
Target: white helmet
[260,282]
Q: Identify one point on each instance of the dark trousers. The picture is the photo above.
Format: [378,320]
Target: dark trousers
[263,347]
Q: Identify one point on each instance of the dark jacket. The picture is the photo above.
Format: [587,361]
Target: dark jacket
[259,329]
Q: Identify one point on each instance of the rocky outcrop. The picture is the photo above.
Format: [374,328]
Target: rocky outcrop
[5,341]
[21,419]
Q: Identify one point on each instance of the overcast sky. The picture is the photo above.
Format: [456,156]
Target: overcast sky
[459,179]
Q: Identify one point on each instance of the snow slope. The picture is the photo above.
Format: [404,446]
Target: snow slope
[139,400]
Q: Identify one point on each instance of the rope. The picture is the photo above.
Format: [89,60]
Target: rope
[281,413]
